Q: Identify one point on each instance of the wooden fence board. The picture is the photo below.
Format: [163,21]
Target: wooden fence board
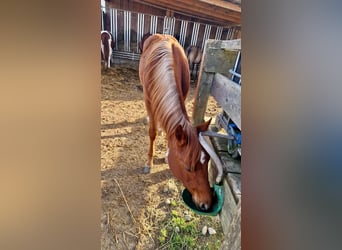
[228,95]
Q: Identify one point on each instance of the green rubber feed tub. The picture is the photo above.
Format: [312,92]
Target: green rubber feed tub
[215,207]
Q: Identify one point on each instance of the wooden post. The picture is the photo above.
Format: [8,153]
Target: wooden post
[233,240]
[218,57]
[204,83]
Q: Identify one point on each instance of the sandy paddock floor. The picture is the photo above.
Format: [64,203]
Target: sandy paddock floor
[133,203]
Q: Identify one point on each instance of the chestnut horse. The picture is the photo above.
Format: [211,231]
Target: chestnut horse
[107,47]
[165,77]
[194,55]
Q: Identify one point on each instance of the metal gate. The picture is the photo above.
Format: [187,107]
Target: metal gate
[128,27]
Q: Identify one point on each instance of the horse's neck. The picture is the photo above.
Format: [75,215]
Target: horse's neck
[175,120]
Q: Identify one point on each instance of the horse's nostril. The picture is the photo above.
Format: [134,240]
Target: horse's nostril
[203,207]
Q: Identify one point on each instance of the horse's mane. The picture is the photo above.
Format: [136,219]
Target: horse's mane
[166,93]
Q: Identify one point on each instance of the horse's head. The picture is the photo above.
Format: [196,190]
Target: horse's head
[141,43]
[188,161]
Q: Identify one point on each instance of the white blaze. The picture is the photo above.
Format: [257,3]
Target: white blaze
[203,156]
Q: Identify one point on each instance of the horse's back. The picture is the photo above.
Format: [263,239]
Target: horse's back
[106,36]
[164,74]
[198,56]
[182,73]
[162,53]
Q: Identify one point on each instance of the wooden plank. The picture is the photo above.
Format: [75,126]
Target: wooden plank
[195,8]
[218,60]
[235,185]
[228,208]
[223,4]
[220,144]
[231,44]
[233,237]
[201,97]
[228,95]
[230,165]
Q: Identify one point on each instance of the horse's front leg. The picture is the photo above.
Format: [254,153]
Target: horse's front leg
[108,62]
[191,68]
[153,134]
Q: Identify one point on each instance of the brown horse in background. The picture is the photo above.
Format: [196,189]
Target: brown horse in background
[194,55]
[107,47]
[144,37]
[164,74]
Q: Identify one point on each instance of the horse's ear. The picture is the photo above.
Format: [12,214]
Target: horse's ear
[204,126]
[180,136]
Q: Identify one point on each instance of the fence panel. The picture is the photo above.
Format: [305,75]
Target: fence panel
[128,27]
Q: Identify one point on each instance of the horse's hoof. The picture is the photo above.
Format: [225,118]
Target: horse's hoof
[146,170]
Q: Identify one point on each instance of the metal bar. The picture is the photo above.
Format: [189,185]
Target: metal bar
[127,30]
[194,35]
[166,25]
[183,30]
[214,134]
[172,29]
[102,18]
[140,28]
[237,60]
[206,34]
[115,27]
[218,33]
[227,36]
[126,55]
[230,33]
[169,25]
[153,24]
[111,21]
[234,73]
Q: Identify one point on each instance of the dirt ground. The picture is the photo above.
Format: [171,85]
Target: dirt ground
[133,203]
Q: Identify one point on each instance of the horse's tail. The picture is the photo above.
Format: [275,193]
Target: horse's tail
[106,48]
[112,45]
[182,74]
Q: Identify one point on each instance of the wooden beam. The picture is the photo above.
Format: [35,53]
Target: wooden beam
[205,81]
[231,44]
[196,8]
[223,4]
[213,20]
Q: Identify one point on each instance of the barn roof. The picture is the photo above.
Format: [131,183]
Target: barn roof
[221,12]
